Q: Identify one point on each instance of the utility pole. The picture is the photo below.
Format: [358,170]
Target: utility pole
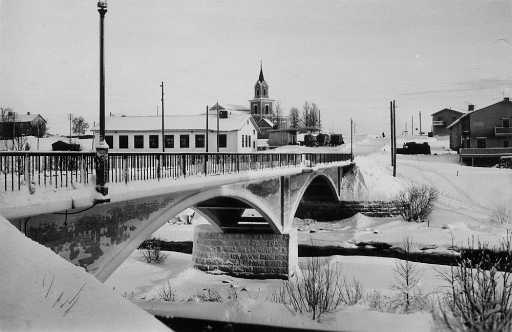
[412,125]
[420,124]
[163,124]
[351,140]
[70,117]
[394,138]
[206,134]
[391,141]
[218,106]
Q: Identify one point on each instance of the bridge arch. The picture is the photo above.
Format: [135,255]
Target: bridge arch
[245,198]
[319,186]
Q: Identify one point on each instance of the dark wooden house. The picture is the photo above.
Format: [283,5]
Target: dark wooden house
[484,135]
[13,124]
[442,119]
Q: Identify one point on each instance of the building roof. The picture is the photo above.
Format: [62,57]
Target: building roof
[505,100]
[175,122]
[447,109]
[261,78]
[25,117]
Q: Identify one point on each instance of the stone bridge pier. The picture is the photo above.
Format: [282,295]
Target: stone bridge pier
[250,234]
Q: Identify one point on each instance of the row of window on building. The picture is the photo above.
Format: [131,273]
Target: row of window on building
[246,141]
[154,141]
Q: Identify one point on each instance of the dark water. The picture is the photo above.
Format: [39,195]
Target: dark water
[201,325]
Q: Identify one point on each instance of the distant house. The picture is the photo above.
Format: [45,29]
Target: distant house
[442,119]
[183,133]
[13,124]
[279,137]
[484,135]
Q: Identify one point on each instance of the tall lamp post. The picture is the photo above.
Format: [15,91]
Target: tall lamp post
[102,147]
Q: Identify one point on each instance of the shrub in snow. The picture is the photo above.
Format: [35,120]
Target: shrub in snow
[502,215]
[416,202]
[319,289]
[479,297]
[167,293]
[152,252]
[407,277]
[209,295]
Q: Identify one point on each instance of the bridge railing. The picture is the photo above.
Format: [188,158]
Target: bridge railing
[65,169]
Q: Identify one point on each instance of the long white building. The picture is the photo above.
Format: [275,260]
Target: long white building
[183,133]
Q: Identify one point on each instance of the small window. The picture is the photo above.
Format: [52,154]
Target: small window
[184,141]
[169,141]
[249,141]
[138,141]
[266,109]
[110,141]
[123,141]
[255,109]
[243,141]
[253,144]
[480,143]
[506,144]
[200,141]
[257,92]
[153,141]
[506,123]
[264,92]
[223,140]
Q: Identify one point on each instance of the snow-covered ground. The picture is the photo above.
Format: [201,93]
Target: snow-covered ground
[468,198]
[40,291]
[251,301]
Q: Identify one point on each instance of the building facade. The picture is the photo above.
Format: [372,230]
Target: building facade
[484,135]
[442,119]
[184,133]
[13,124]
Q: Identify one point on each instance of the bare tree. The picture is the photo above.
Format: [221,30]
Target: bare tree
[294,118]
[79,125]
[310,115]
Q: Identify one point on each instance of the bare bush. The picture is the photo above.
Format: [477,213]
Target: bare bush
[407,278]
[416,202]
[318,290]
[502,215]
[479,297]
[209,295]
[152,253]
[167,293]
[352,292]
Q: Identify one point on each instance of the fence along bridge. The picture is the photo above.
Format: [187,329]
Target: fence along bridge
[220,187]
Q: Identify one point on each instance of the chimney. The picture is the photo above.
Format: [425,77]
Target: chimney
[506,99]
[471,108]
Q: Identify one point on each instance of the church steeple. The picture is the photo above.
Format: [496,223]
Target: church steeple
[261,79]
[261,105]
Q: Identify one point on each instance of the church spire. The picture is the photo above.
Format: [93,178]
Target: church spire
[261,78]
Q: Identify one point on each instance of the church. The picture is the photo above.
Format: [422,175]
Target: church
[228,129]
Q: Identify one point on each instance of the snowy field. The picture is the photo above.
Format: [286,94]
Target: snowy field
[468,199]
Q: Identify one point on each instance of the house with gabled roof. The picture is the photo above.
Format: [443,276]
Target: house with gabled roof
[483,135]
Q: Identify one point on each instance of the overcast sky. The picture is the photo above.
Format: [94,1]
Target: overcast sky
[350,57]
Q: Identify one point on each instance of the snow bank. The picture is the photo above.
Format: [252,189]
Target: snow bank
[40,291]
[371,179]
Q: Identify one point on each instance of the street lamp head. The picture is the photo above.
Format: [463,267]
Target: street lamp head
[102,7]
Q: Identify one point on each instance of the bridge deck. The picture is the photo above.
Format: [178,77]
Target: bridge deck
[21,203]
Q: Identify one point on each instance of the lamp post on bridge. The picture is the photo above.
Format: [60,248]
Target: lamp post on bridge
[102,168]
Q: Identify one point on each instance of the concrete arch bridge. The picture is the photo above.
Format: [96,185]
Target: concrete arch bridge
[100,237]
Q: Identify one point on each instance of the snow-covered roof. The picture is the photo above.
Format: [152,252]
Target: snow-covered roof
[447,109]
[505,101]
[233,122]
[21,117]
